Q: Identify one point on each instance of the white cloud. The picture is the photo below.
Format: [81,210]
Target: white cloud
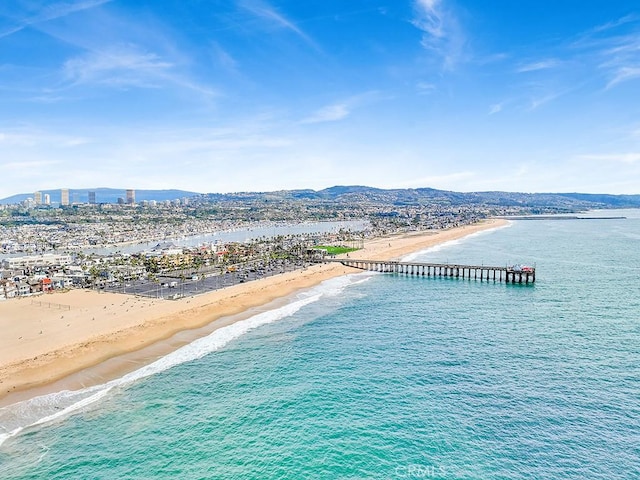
[340,110]
[539,101]
[430,17]
[624,74]
[265,11]
[540,65]
[425,88]
[52,12]
[330,113]
[616,23]
[116,66]
[128,66]
[441,31]
[619,57]
[495,108]
[224,59]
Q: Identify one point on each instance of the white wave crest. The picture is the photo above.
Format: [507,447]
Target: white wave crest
[55,406]
[444,245]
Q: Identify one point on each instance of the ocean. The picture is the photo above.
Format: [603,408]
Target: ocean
[382,376]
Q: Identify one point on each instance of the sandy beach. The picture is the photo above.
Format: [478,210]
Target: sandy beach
[49,337]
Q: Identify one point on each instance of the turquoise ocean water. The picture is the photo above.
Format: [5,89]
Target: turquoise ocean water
[383,376]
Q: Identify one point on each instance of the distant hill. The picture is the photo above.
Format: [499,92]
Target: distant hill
[352,194]
[613,200]
[103,195]
[419,196]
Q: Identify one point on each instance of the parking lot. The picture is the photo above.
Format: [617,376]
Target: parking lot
[172,287]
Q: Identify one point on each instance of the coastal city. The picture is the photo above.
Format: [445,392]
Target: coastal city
[139,247]
[174,247]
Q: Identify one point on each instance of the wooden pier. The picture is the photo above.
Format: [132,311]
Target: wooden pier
[515,274]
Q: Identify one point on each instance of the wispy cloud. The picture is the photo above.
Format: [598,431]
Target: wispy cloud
[116,66]
[127,66]
[491,59]
[615,47]
[441,31]
[329,113]
[263,10]
[540,65]
[537,102]
[425,88]
[52,12]
[630,18]
[608,55]
[624,74]
[496,108]
[224,59]
[340,110]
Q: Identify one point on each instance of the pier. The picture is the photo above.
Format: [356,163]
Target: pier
[515,274]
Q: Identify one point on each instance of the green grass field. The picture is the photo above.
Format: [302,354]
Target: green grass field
[332,250]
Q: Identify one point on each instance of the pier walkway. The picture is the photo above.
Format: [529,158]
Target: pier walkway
[514,274]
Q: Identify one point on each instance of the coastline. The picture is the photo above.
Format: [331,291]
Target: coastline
[47,339]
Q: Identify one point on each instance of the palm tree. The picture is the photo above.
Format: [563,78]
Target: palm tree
[94,272]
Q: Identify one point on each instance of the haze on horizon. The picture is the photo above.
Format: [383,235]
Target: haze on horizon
[258,95]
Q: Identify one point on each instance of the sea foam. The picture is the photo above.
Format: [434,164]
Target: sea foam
[52,407]
[444,245]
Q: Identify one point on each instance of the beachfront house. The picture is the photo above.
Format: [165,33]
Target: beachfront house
[8,289]
[35,284]
[60,280]
[24,289]
[46,285]
[76,275]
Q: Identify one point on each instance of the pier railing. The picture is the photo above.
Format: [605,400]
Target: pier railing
[515,274]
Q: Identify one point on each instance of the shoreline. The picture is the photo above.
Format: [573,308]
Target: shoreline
[84,337]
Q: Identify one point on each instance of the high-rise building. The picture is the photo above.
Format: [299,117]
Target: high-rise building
[131,196]
[64,196]
[92,198]
[37,198]
[47,199]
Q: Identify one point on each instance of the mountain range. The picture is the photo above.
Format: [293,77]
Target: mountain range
[358,193]
[421,196]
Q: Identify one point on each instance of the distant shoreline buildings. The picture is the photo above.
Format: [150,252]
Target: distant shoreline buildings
[64,197]
[69,198]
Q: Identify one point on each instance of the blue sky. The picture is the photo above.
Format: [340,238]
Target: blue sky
[236,95]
